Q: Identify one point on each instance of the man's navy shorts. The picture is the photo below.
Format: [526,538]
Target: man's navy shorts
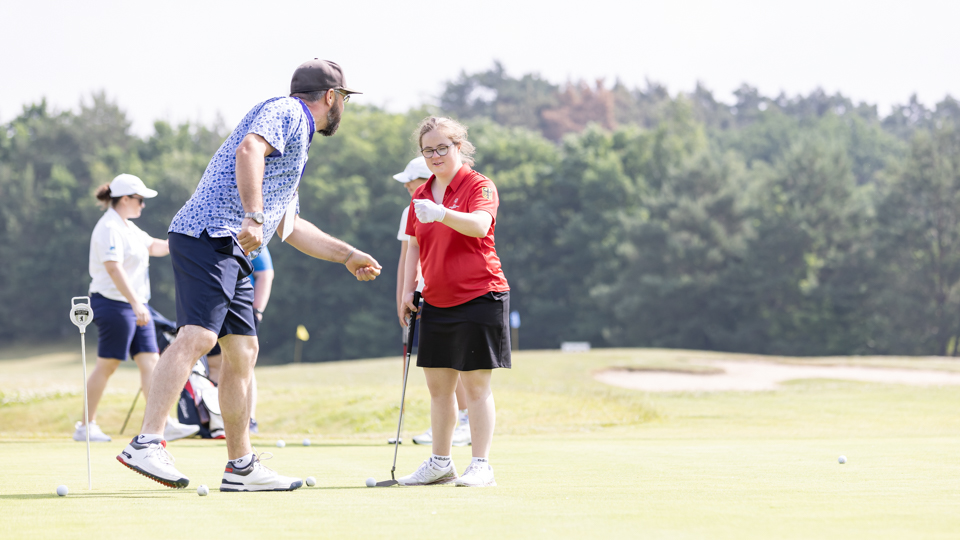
[119,333]
[216,348]
[213,287]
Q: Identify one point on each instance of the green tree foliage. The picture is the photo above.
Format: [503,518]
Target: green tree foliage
[918,241]
[629,217]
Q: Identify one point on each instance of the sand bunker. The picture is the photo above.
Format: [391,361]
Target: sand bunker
[755,376]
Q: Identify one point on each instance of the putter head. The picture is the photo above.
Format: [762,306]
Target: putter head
[81,314]
[387,483]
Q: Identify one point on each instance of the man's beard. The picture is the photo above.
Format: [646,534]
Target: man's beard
[333,122]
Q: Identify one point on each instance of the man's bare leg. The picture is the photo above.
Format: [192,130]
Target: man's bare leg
[172,372]
[236,373]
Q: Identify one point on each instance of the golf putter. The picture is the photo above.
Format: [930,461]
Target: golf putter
[407,350]
[82,314]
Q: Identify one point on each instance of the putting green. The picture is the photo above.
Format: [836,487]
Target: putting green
[573,458]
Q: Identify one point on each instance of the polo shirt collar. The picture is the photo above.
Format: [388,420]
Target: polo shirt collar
[310,119]
[458,178]
[113,215]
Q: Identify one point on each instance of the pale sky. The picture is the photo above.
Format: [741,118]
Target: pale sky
[191,60]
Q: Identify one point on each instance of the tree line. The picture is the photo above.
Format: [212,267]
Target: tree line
[806,225]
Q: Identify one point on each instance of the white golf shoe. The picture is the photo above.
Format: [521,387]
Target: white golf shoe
[152,460]
[256,477]
[430,474]
[175,430]
[461,435]
[477,475]
[96,434]
[424,438]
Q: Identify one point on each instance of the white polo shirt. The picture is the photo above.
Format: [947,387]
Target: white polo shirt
[123,242]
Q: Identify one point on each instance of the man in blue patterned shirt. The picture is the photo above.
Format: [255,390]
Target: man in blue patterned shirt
[247,193]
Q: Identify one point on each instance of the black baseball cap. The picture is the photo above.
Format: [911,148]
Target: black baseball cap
[316,75]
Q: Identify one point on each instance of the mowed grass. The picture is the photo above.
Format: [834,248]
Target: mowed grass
[574,458]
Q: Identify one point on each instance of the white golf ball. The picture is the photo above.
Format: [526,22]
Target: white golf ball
[203,490]
[281,444]
[306,442]
[62,491]
[371,482]
[311,481]
[842,459]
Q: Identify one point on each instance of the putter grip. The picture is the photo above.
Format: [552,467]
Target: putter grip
[413,319]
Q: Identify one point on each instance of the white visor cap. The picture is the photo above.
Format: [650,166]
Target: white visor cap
[128,184]
[417,168]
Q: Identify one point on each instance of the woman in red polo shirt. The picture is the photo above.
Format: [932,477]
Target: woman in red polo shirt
[464,325]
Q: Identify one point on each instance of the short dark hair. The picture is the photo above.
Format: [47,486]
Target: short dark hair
[311,97]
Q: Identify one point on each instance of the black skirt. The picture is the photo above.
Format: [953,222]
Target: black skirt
[474,335]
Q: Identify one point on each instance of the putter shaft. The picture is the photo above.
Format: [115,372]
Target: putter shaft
[407,351]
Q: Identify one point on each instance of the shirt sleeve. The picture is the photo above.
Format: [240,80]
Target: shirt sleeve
[402,233]
[144,237]
[412,222]
[484,196]
[277,122]
[108,245]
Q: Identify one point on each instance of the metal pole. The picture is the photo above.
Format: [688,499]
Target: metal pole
[81,314]
[406,370]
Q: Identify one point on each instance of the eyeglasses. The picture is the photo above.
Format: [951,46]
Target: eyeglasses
[440,150]
[137,198]
[346,96]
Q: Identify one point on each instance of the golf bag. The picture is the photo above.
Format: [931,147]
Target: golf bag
[165,328]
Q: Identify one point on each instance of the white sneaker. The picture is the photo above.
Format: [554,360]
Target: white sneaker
[429,474]
[256,477]
[424,438]
[477,475]
[175,430]
[96,434]
[152,460]
[461,435]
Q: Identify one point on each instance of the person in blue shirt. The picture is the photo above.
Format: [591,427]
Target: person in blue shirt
[247,193]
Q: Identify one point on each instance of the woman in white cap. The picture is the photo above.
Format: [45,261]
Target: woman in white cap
[119,261]
[413,176]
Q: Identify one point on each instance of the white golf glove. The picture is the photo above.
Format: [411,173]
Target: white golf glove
[428,211]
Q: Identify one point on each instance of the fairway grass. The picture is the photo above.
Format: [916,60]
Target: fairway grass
[573,458]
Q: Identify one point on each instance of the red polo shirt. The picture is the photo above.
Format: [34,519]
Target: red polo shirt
[458,268]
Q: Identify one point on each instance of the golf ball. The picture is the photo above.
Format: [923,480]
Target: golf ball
[311,481]
[281,444]
[203,490]
[306,442]
[842,459]
[62,491]
[371,482]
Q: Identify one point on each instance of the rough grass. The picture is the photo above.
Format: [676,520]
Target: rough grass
[573,458]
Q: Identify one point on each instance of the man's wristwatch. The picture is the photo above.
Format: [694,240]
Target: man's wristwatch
[258,311]
[256,216]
